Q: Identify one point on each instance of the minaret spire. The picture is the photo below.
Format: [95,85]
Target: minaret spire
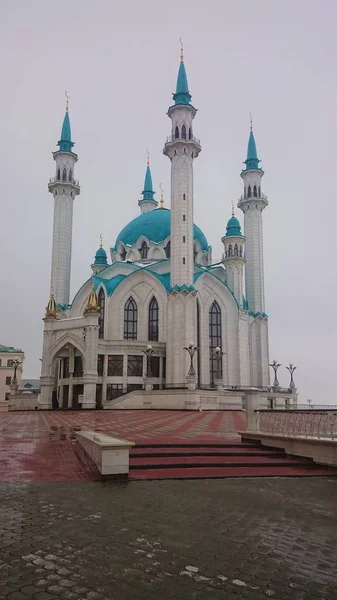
[181,148]
[252,203]
[64,189]
[147,202]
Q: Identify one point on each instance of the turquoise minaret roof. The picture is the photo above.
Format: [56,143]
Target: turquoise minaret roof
[101,257]
[65,142]
[182,95]
[233,226]
[148,192]
[252,161]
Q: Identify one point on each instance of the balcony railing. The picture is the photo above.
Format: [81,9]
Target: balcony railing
[306,422]
[260,197]
[172,138]
[56,180]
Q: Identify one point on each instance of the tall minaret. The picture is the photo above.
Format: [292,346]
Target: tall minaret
[252,204]
[64,189]
[182,148]
[148,202]
[234,257]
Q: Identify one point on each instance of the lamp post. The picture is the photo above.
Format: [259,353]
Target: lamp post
[14,383]
[218,354]
[275,366]
[291,370]
[191,349]
[149,352]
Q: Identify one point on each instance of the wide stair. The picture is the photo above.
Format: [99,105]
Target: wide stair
[217,460]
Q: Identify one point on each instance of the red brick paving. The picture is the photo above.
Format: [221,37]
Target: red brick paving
[39,446]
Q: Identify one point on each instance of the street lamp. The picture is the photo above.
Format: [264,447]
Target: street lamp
[16,363]
[275,366]
[149,352]
[218,354]
[191,349]
[291,370]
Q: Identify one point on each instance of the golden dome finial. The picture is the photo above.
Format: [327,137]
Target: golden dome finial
[161,195]
[101,242]
[67,101]
[92,304]
[181,50]
[148,158]
[251,122]
[51,309]
[233,211]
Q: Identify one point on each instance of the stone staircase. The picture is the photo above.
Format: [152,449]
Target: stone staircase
[217,460]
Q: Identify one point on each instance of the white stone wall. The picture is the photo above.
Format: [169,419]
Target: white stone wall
[64,193]
[182,329]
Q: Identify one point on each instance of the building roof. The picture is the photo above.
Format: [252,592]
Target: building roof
[10,349]
[148,192]
[252,161]
[233,227]
[30,384]
[65,142]
[182,95]
[101,257]
[155,225]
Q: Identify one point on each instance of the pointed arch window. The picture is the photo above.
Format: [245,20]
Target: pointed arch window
[101,306]
[168,250]
[176,133]
[130,319]
[249,192]
[153,320]
[58,175]
[183,132]
[215,339]
[123,254]
[255,191]
[70,176]
[236,250]
[144,249]
[190,136]
[64,175]
[259,192]
[230,250]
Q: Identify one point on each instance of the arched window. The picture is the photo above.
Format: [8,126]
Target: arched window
[144,250]
[190,136]
[259,192]
[70,176]
[255,191]
[176,133]
[153,320]
[241,251]
[184,239]
[183,132]
[130,319]
[184,196]
[123,254]
[230,250]
[64,175]
[58,175]
[215,339]
[249,191]
[101,306]
[195,254]
[168,250]
[184,217]
[184,261]
[236,250]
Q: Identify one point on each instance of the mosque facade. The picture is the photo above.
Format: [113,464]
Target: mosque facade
[158,293]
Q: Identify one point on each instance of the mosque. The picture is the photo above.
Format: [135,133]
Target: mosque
[158,293]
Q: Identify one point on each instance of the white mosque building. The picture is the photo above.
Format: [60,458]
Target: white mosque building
[158,290]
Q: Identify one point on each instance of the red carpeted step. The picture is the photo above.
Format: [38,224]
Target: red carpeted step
[222,472]
[204,451]
[190,461]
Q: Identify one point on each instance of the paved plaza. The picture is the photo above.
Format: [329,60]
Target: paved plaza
[203,540]
[39,446]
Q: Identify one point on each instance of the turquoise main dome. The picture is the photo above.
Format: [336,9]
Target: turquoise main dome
[155,225]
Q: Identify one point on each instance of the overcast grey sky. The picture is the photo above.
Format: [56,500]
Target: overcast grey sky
[119,61]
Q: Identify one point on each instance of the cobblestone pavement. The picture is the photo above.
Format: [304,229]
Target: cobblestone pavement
[38,446]
[204,540]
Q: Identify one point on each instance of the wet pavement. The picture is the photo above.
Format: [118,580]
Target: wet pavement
[205,540]
[39,446]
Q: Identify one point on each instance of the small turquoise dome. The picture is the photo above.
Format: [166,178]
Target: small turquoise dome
[233,227]
[101,257]
[156,226]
